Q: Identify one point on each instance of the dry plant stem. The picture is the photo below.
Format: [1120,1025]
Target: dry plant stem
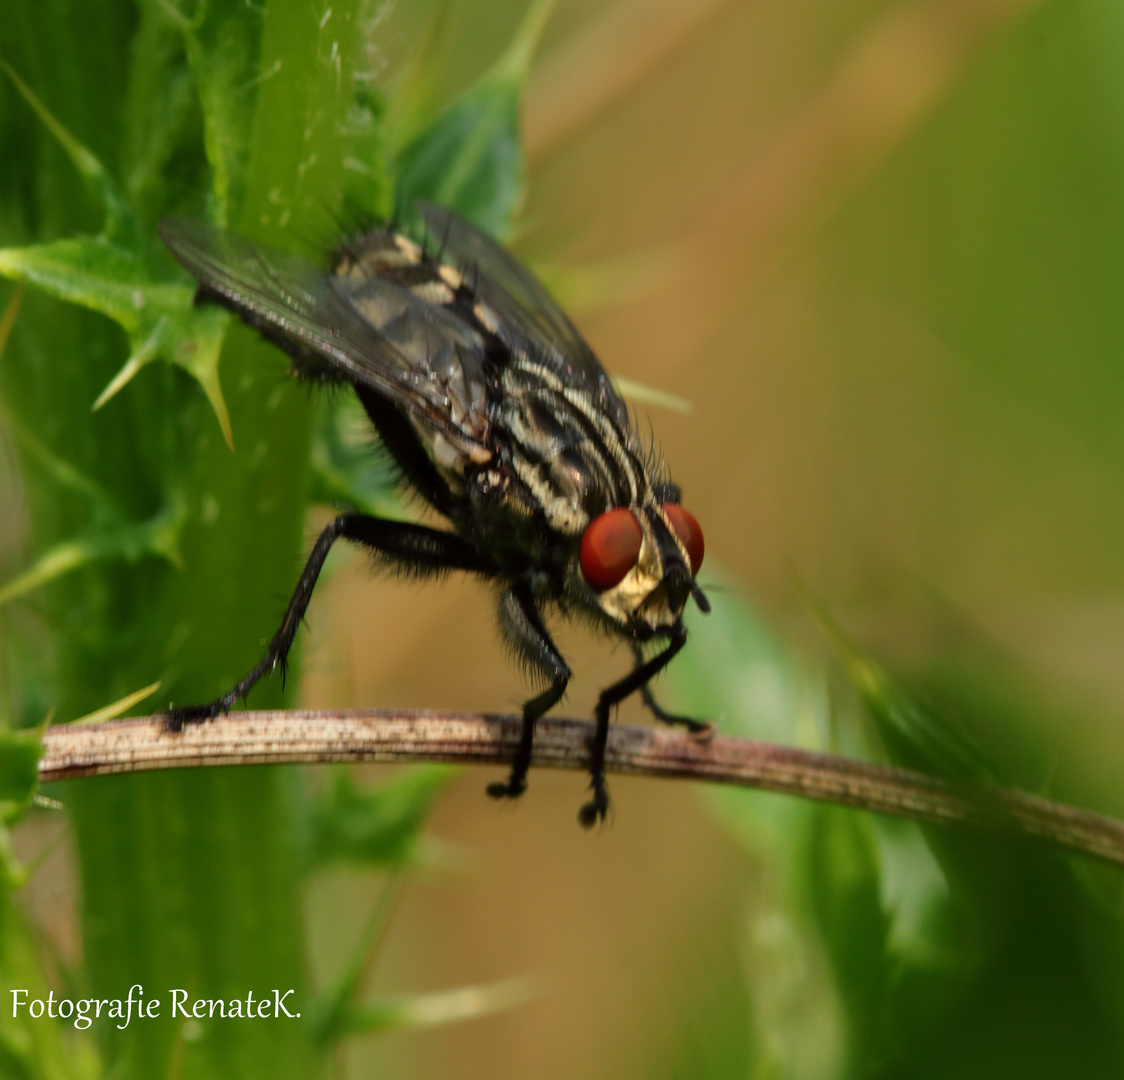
[275,737]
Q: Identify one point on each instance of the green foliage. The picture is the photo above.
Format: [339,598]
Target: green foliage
[378,827]
[431,1010]
[19,774]
[469,156]
[29,1048]
[877,948]
[916,735]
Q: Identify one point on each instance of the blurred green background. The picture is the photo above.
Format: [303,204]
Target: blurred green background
[879,247]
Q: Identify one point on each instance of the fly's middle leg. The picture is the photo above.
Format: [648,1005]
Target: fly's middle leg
[597,808]
[523,626]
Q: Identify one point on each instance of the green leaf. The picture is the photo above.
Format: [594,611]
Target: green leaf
[118,214]
[844,873]
[61,472]
[380,826]
[470,159]
[161,114]
[915,736]
[35,1048]
[222,43]
[328,1014]
[8,316]
[737,673]
[19,768]
[158,536]
[118,707]
[414,102]
[366,182]
[414,1011]
[650,395]
[19,778]
[159,317]
[109,535]
[915,897]
[344,470]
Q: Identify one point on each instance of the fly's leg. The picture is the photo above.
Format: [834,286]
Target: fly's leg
[597,807]
[523,626]
[702,728]
[415,547]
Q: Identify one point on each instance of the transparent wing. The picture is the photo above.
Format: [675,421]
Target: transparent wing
[371,331]
[529,318]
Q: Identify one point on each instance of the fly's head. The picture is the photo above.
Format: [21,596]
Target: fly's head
[638,564]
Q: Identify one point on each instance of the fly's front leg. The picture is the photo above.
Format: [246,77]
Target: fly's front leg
[421,549]
[597,807]
[523,626]
[702,728]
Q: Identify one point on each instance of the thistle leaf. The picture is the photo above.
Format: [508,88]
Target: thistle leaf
[158,536]
[159,317]
[117,211]
[379,826]
[470,159]
[222,44]
[121,705]
[19,767]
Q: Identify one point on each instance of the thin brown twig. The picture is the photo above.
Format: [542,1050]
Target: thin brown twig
[135,745]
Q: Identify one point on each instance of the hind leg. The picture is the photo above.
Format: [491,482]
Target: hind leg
[695,727]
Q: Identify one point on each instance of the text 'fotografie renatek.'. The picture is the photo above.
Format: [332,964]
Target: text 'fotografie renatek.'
[273,1005]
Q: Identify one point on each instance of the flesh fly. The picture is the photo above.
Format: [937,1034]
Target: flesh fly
[497,413]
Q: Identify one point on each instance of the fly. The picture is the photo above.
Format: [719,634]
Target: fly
[497,413]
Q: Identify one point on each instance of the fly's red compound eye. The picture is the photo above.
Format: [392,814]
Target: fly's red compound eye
[689,532]
[610,548]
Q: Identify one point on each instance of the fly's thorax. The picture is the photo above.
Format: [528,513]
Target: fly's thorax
[571,455]
[452,453]
[503,519]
